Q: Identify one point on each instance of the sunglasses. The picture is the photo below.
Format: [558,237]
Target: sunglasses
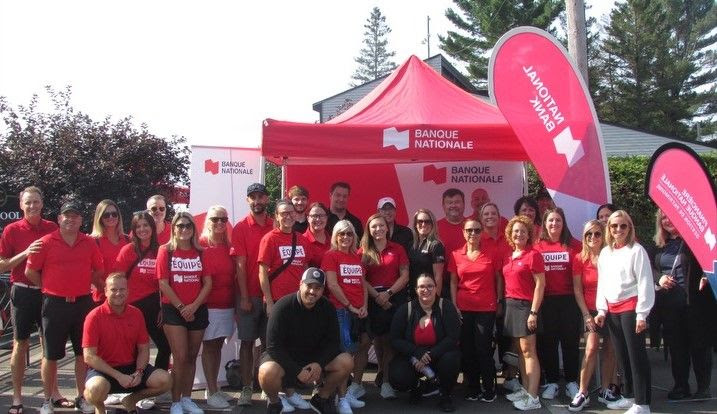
[183,226]
[155,208]
[472,230]
[615,226]
[345,234]
[218,219]
[424,222]
[109,214]
[317,216]
[593,234]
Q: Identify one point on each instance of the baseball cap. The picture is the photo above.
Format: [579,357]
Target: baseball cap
[384,200]
[256,188]
[313,275]
[71,206]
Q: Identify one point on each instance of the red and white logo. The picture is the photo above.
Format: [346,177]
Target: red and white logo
[211,166]
[437,175]
[395,138]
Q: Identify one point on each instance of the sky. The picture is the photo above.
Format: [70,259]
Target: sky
[210,71]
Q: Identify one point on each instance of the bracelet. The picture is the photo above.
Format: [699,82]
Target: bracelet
[180,306]
[389,292]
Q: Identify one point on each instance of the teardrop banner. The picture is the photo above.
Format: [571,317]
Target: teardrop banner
[680,184]
[539,91]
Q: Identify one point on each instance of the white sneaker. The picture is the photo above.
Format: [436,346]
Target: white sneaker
[176,408]
[638,409]
[113,399]
[528,403]
[353,401]
[550,391]
[621,404]
[571,389]
[226,396]
[512,385]
[245,396]
[189,406]
[217,401]
[146,404]
[81,404]
[286,406]
[344,407]
[387,392]
[296,400]
[357,390]
[47,407]
[517,395]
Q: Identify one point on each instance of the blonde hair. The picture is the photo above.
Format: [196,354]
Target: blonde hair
[661,235]
[115,276]
[370,254]
[433,235]
[172,243]
[343,226]
[208,234]
[527,222]
[586,252]
[630,239]
[98,229]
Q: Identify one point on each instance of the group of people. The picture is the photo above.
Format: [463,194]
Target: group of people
[317,287]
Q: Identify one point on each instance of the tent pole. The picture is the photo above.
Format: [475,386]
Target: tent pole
[283,177]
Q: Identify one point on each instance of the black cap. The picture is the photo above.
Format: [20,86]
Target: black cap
[256,188]
[313,275]
[71,206]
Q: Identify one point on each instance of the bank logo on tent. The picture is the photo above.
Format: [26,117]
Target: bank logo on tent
[437,175]
[399,140]
[211,166]
[570,147]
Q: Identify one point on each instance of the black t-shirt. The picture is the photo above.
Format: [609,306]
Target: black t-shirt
[403,236]
[671,261]
[300,227]
[421,260]
[333,219]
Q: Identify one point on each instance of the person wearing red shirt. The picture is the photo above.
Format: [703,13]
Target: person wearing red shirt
[524,276]
[527,206]
[185,286]
[479,198]
[17,242]
[116,349]
[108,232]
[450,228]
[560,313]
[157,207]
[220,303]
[251,317]
[476,287]
[318,236]
[66,264]
[137,261]
[386,265]
[345,278]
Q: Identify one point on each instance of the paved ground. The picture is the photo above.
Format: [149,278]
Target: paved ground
[660,377]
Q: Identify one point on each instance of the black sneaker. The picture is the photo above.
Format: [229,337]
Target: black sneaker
[414,396]
[428,388]
[487,396]
[702,395]
[273,408]
[322,405]
[678,393]
[579,402]
[445,404]
[472,394]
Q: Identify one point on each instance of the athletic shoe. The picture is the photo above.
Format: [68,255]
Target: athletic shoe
[176,408]
[146,404]
[113,399]
[428,388]
[189,406]
[702,395]
[245,396]
[321,405]
[606,396]
[343,406]
[512,385]
[621,404]
[473,394]
[271,408]
[217,401]
[353,401]
[678,393]
[528,403]
[571,389]
[47,407]
[445,404]
[579,402]
[638,409]
[387,392]
[286,405]
[550,391]
[518,395]
[487,396]
[224,395]
[296,401]
[357,390]
[82,405]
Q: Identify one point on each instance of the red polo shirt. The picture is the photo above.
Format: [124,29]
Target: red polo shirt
[589,278]
[164,236]
[142,282]
[184,274]
[66,270]
[387,272]
[498,247]
[349,273]
[558,266]
[318,249]
[451,235]
[109,252]
[246,237]
[518,274]
[221,267]
[16,237]
[476,280]
[115,336]
[274,249]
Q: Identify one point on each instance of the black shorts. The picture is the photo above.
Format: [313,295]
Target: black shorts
[62,320]
[115,387]
[515,323]
[25,311]
[379,319]
[601,330]
[171,316]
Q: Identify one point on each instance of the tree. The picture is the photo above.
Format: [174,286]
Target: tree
[482,22]
[66,153]
[374,59]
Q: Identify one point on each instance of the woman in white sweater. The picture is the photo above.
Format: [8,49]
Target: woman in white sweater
[625,294]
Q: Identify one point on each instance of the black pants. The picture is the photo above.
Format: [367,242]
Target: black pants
[149,305]
[477,350]
[403,376]
[631,356]
[562,325]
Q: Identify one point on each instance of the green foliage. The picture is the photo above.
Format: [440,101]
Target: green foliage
[482,22]
[66,153]
[374,59]
[272,180]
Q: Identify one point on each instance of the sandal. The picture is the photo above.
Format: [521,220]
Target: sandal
[63,403]
[15,409]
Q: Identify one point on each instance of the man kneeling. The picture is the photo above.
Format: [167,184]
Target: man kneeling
[303,346]
[116,348]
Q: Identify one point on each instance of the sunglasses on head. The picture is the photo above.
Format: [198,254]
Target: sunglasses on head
[155,208]
[108,214]
[184,226]
[218,219]
[622,226]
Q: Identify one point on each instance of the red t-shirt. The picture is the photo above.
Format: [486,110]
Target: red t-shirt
[245,243]
[518,274]
[385,274]
[221,267]
[109,254]
[318,249]
[349,273]
[476,280]
[115,336]
[451,235]
[425,336]
[185,274]
[274,249]
[66,270]
[497,247]
[16,237]
[558,266]
[589,277]
[163,237]
[142,282]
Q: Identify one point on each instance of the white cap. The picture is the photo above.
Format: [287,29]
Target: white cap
[385,200]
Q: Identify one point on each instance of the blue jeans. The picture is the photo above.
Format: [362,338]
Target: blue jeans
[347,343]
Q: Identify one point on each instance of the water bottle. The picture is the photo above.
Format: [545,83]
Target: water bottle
[426,370]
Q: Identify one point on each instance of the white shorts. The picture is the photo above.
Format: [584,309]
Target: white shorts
[221,324]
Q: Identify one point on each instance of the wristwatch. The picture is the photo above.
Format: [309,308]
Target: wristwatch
[389,292]
[532,312]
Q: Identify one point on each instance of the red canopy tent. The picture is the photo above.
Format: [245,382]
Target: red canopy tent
[414,115]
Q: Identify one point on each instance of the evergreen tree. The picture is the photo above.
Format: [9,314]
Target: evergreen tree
[374,59]
[482,22]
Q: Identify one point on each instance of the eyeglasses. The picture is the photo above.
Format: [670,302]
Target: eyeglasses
[423,222]
[184,226]
[472,230]
[593,234]
[345,234]
[285,214]
[622,226]
[317,216]
[108,214]
[425,287]
[161,209]
[218,219]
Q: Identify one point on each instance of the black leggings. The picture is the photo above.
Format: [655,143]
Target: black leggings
[149,305]
[477,350]
[403,376]
[631,355]
[560,318]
